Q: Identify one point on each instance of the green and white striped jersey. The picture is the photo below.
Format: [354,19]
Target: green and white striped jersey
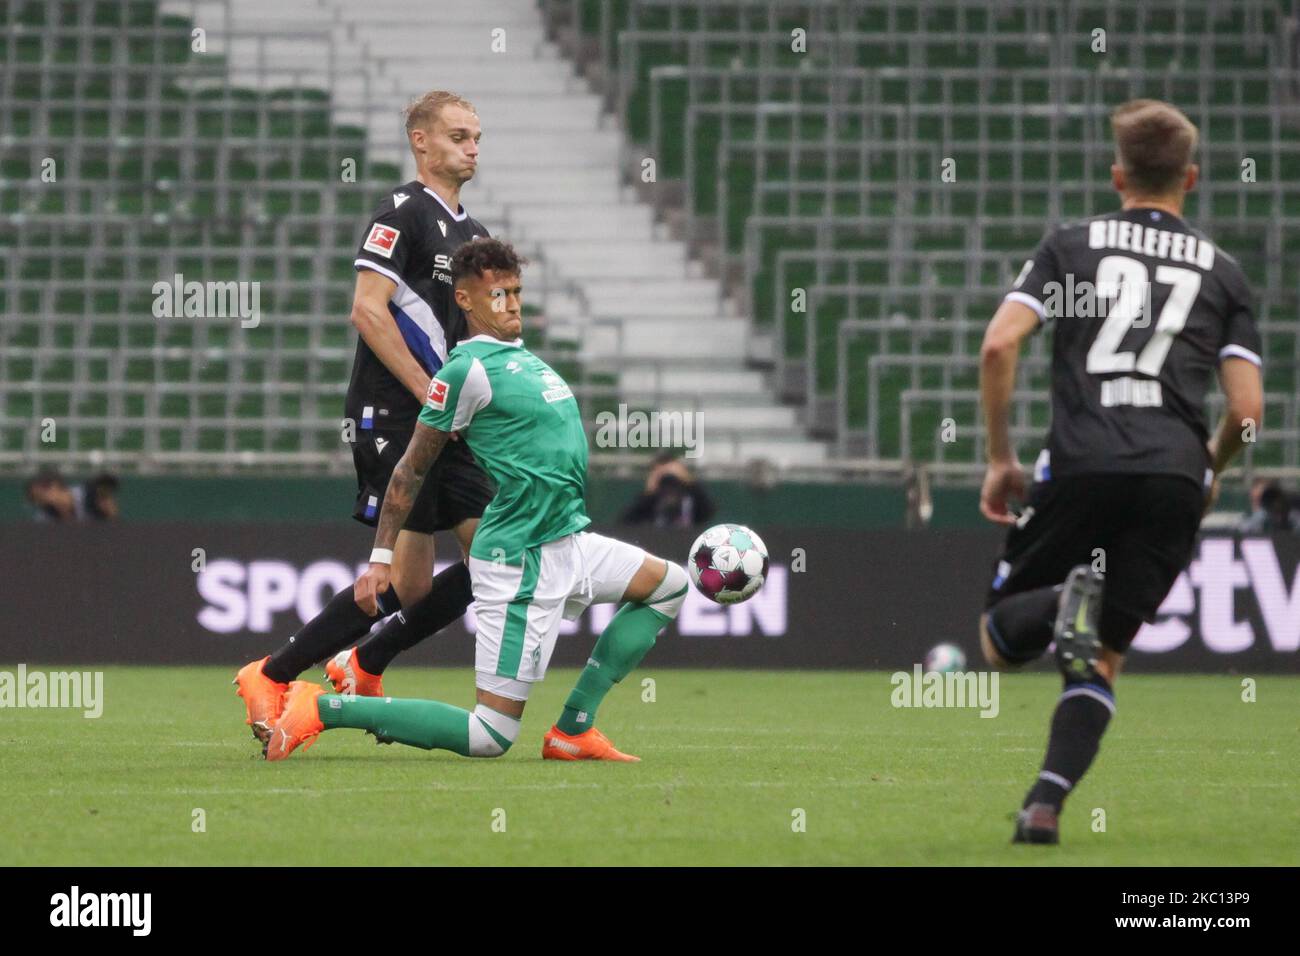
[523,425]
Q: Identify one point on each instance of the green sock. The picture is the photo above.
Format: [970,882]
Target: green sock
[629,635]
[429,724]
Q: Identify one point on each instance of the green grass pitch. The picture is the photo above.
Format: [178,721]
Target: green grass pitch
[1189,774]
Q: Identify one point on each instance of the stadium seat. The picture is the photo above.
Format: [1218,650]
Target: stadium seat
[820,170]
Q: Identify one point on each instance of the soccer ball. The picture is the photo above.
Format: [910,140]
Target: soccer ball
[945,659]
[728,563]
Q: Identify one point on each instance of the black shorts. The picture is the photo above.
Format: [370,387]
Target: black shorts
[455,488]
[1145,526]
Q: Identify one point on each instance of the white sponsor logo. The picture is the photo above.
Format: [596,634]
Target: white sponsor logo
[1216,575]
[103,909]
[252,595]
[381,444]
[443,226]
[243,596]
[283,740]
[399,198]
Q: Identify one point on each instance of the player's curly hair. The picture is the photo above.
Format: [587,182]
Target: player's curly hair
[478,255]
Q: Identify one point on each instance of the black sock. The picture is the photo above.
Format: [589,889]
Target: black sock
[1084,710]
[1020,625]
[339,624]
[446,601]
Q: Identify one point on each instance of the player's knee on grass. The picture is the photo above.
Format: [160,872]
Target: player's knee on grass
[669,596]
[490,733]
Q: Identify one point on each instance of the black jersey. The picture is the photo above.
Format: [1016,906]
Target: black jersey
[1144,310]
[411,240]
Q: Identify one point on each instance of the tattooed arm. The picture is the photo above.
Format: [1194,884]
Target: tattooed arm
[404,485]
[403,488]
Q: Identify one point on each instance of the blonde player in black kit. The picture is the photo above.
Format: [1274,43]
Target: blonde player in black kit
[1145,309]
[406,314]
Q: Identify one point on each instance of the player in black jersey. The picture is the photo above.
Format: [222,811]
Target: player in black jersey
[405,311]
[1144,308]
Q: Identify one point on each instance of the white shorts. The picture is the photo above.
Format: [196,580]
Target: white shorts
[519,608]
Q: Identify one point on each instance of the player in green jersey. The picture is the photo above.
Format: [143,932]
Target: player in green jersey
[531,561]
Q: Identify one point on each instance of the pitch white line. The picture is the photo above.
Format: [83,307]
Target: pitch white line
[566,785]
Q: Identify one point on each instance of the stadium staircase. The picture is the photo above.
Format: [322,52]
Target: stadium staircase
[642,317]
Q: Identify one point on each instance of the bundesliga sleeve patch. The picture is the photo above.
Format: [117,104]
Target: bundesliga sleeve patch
[381,240]
[437,398]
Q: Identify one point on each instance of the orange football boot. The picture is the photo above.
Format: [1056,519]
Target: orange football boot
[345,673]
[263,697]
[588,745]
[299,724]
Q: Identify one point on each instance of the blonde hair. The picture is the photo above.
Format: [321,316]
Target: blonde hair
[423,110]
[1154,142]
